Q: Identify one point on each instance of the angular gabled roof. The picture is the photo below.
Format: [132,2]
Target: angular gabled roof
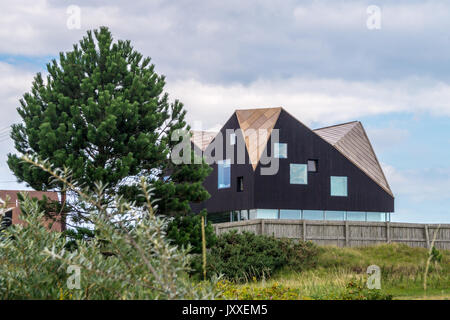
[202,138]
[253,120]
[333,134]
[351,140]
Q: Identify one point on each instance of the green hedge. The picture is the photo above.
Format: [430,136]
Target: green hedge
[246,256]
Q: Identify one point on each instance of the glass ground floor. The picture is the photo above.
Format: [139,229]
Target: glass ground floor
[241,215]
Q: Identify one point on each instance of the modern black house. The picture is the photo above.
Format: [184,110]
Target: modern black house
[330,173]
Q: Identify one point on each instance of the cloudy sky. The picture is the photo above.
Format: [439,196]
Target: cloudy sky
[323,61]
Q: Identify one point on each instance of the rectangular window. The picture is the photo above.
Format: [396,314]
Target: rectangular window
[240,184]
[290,214]
[376,216]
[224,173]
[335,215]
[313,214]
[244,215]
[313,165]
[235,215]
[298,173]
[338,186]
[232,139]
[280,150]
[9,213]
[267,214]
[356,216]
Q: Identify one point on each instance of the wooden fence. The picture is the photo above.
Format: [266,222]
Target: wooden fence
[346,233]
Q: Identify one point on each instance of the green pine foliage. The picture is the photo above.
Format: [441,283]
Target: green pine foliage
[103,113]
[185,231]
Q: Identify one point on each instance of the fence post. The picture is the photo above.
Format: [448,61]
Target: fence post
[427,236]
[304,230]
[347,236]
[262,227]
[388,232]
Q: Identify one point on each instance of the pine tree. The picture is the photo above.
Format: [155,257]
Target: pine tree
[103,113]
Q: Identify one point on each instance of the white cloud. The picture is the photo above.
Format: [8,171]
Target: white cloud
[395,16]
[313,101]
[320,101]
[14,82]
[245,40]
[39,27]
[386,138]
[332,16]
[423,185]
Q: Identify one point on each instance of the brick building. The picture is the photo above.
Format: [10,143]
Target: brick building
[12,201]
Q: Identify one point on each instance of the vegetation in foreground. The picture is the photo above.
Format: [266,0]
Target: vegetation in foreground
[129,258]
[340,273]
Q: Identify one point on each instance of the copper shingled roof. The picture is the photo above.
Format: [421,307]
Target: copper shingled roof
[351,140]
[202,138]
[253,120]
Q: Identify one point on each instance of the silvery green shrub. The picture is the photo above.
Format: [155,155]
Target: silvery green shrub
[130,257]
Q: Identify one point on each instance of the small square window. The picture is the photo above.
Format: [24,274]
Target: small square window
[280,150]
[240,184]
[298,173]
[232,139]
[313,165]
[338,186]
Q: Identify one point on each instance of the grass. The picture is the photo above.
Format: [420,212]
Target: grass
[402,273]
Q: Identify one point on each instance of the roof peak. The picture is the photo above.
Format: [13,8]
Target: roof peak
[338,125]
[259,108]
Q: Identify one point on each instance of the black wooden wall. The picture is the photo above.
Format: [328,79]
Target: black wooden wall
[229,199]
[276,192]
[303,144]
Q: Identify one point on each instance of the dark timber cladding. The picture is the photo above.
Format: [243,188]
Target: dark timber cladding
[229,199]
[342,150]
